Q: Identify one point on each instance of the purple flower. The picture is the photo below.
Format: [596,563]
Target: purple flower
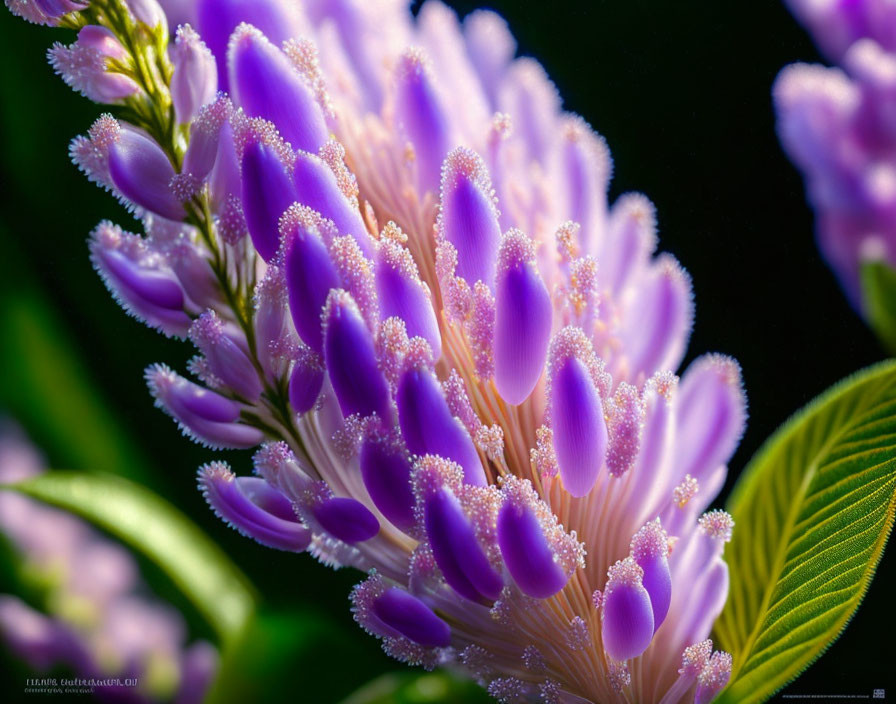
[97,623]
[456,355]
[836,124]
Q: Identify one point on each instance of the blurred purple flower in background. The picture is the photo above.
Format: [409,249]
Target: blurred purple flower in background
[96,621]
[394,254]
[837,125]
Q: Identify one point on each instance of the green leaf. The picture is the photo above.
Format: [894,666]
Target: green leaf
[813,511]
[145,521]
[409,688]
[879,300]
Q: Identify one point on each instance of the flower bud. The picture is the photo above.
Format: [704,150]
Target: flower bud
[205,416]
[194,82]
[226,359]
[253,508]
[346,519]
[402,293]
[142,173]
[142,283]
[84,65]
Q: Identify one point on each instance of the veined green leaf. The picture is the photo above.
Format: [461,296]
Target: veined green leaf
[813,511]
[879,300]
[148,523]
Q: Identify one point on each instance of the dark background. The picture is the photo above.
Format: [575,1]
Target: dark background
[681,93]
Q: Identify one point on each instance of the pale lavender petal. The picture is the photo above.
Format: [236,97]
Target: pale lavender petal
[712,415]
[421,116]
[659,322]
[194,82]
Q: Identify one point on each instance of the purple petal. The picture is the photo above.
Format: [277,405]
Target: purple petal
[346,519]
[267,191]
[580,431]
[401,293]
[317,188]
[305,383]
[421,117]
[253,508]
[522,320]
[412,618]
[351,360]
[224,180]
[429,428]
[712,413]
[526,553]
[226,359]
[310,276]
[468,218]
[265,84]
[142,173]
[456,550]
[386,471]
[627,625]
[217,19]
[658,583]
